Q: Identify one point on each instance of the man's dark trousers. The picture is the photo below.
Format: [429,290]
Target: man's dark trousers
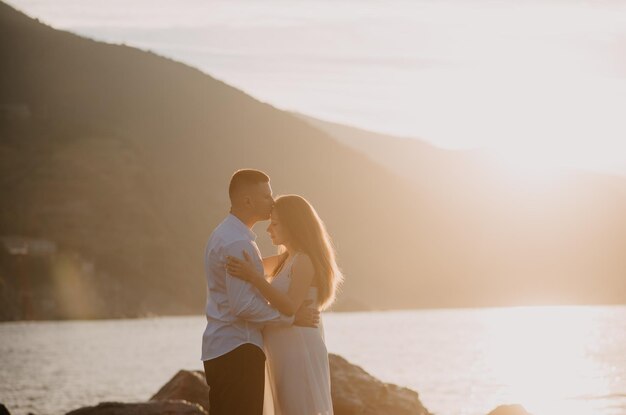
[237,381]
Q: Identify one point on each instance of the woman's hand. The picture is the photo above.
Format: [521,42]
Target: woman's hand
[243,269]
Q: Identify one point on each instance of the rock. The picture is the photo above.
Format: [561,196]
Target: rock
[147,408]
[509,410]
[354,391]
[186,385]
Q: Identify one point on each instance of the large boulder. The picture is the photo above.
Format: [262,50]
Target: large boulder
[185,385]
[145,408]
[509,410]
[354,391]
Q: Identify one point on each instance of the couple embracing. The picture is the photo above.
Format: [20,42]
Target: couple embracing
[263,347]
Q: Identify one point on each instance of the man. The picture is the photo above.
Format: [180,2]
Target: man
[232,344]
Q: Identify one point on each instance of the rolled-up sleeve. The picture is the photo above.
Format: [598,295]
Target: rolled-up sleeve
[243,299]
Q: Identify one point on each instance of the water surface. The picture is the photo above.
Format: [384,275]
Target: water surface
[555,360]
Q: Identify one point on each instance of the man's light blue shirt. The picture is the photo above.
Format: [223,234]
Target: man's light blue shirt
[235,310]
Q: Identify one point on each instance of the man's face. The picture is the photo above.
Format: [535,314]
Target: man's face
[262,200]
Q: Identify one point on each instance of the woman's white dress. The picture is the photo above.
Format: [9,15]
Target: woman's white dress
[297,380]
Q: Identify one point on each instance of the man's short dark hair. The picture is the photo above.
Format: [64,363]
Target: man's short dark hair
[246,177]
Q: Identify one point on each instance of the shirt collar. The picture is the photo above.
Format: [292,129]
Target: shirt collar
[240,226]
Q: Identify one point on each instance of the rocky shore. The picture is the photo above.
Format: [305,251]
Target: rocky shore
[354,392]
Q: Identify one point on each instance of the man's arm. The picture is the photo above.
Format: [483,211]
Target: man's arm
[289,302]
[243,300]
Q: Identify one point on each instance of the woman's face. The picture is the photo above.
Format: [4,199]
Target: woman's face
[276,230]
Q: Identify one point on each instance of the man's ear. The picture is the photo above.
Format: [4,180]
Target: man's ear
[247,201]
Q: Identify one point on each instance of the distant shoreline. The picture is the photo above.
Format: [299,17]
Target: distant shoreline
[402,310]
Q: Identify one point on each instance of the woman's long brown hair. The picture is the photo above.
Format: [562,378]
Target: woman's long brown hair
[308,235]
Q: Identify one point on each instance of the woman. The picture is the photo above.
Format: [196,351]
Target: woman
[297,359]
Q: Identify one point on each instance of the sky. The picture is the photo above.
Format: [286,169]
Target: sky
[539,84]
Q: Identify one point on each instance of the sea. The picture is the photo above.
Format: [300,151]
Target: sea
[552,360]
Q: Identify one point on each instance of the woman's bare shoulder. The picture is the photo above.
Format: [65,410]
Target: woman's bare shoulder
[302,265]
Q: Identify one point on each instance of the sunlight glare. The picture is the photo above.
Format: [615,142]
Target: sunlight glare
[528,167]
[542,355]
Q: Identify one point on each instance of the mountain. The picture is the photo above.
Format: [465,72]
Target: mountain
[121,158]
[538,240]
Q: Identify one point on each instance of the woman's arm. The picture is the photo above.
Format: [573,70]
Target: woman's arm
[288,303]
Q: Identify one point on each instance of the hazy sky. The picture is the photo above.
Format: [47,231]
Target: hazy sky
[541,83]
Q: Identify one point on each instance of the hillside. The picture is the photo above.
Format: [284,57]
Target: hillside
[122,158]
[539,240]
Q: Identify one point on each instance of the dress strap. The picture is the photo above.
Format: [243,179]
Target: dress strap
[293,259]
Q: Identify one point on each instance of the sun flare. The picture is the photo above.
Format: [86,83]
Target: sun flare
[542,356]
[529,167]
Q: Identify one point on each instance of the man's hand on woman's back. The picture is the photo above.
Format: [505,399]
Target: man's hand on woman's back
[306,316]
